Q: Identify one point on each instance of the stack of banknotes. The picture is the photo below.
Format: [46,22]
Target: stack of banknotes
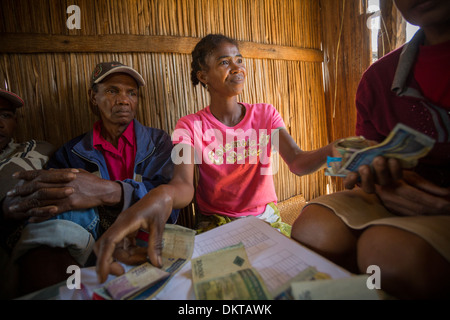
[145,281]
[227,274]
[135,281]
[403,143]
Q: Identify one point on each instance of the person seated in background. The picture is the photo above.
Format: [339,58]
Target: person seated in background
[114,165]
[14,157]
[398,220]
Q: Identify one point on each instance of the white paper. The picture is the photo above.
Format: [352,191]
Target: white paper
[276,257]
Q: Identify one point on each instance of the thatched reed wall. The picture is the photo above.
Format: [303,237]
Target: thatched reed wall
[347,53]
[284,42]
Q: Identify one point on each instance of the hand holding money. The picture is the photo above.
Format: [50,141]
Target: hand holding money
[381,163]
[146,280]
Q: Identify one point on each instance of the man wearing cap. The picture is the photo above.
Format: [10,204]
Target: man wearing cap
[14,157]
[128,156]
[117,163]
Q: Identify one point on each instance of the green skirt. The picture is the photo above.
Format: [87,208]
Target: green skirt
[271,215]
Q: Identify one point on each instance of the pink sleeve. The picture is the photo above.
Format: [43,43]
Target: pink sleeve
[277,120]
[183,132]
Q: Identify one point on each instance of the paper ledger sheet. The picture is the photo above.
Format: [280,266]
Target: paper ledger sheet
[277,258]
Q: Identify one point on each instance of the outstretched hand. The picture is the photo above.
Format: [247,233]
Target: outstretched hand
[149,214]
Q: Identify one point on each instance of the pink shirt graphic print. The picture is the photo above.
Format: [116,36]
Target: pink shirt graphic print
[235,173]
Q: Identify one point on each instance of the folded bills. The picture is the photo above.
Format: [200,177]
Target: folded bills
[177,247]
[403,143]
[227,274]
[284,292]
[146,281]
[134,281]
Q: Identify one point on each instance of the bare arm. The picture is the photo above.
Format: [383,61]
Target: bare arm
[302,162]
[150,213]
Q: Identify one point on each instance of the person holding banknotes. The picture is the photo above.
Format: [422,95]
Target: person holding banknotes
[235,178]
[398,220]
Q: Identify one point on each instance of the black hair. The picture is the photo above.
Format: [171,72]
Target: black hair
[202,50]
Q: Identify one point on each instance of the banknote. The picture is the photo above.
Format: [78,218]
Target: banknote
[177,249]
[348,146]
[178,246]
[403,143]
[134,281]
[227,274]
[350,288]
[284,292]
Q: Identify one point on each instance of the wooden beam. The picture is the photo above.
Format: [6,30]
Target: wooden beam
[44,43]
[276,52]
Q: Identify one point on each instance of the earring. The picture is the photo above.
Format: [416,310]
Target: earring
[206,86]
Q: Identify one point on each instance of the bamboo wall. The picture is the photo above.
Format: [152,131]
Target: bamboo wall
[347,53]
[283,41]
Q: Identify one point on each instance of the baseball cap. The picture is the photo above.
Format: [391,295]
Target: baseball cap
[104,69]
[15,100]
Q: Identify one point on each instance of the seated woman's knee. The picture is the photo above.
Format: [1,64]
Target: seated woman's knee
[313,222]
[319,229]
[409,266]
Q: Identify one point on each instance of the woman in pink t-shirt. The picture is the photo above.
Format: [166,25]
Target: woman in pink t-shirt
[231,143]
